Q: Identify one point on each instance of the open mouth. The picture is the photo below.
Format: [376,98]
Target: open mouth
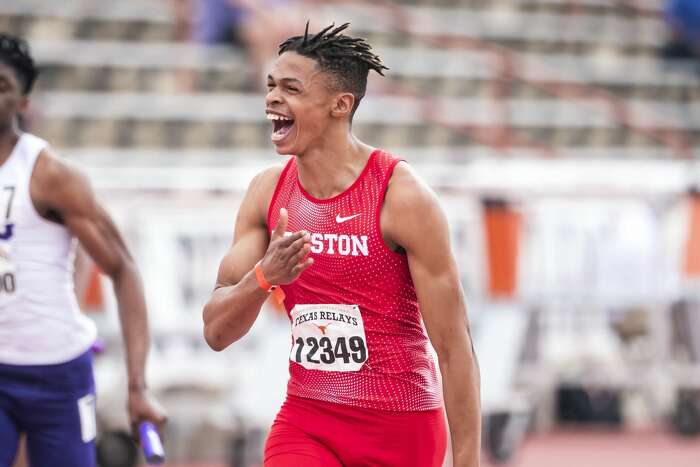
[281,126]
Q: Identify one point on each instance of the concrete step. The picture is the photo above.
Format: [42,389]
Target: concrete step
[584,112]
[605,67]
[139,133]
[499,23]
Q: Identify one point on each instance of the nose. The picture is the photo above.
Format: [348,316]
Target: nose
[272,97]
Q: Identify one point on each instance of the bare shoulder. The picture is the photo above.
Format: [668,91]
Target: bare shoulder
[57,184]
[53,169]
[408,193]
[264,182]
[411,209]
[253,210]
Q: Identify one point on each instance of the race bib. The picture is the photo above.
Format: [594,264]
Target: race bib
[328,337]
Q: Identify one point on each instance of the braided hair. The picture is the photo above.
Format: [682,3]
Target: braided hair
[347,59]
[14,52]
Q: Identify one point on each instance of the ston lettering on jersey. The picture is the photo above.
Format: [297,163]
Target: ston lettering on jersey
[357,334]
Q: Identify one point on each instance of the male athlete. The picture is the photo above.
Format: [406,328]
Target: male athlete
[46,380]
[357,247]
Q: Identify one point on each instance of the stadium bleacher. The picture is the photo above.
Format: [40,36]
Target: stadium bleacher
[109,76]
[472,83]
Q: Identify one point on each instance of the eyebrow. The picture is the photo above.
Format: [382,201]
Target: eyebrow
[285,80]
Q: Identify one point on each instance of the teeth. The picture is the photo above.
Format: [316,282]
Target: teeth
[277,117]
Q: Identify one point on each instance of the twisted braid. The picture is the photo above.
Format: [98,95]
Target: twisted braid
[347,59]
[329,45]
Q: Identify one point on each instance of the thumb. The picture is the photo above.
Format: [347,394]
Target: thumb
[281,226]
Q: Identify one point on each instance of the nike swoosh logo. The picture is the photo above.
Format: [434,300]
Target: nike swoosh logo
[340,220]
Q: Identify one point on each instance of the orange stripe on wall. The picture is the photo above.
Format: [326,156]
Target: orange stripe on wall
[92,298]
[691,268]
[502,225]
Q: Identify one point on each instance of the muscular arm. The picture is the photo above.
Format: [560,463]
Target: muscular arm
[413,219]
[59,191]
[237,298]
[236,301]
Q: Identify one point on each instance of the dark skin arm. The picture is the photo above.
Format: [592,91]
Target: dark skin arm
[62,194]
[237,298]
[413,219]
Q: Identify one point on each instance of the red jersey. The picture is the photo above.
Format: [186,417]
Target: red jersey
[357,334]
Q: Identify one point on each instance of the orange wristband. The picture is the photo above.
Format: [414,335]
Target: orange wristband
[277,292]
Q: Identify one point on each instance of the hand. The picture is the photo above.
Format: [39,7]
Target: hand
[143,407]
[286,256]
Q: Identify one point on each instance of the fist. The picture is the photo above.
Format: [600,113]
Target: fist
[143,407]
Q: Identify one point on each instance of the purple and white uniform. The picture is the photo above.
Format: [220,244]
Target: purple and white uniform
[46,380]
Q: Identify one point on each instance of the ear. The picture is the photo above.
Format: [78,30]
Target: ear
[23,104]
[342,105]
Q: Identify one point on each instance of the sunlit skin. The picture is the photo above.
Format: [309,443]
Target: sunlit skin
[329,159]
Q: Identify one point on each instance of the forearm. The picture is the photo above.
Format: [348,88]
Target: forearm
[461,381]
[134,323]
[231,311]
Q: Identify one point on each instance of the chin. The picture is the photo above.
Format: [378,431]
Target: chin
[289,149]
[284,150]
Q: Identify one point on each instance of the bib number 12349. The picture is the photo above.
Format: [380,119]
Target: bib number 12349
[328,337]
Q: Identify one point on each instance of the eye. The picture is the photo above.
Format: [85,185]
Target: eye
[292,89]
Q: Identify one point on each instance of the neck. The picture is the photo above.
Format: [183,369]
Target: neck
[328,169]
[9,135]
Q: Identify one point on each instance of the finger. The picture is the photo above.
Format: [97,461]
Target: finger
[281,226]
[161,420]
[301,267]
[161,426]
[291,238]
[299,243]
[299,256]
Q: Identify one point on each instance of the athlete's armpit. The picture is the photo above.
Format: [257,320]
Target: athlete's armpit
[414,219]
[237,297]
[250,236]
[59,187]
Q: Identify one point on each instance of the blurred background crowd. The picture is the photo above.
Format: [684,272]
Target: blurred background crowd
[560,135]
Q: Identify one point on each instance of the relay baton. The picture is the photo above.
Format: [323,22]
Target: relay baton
[150,443]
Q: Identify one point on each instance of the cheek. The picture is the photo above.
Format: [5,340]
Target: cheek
[314,119]
[6,106]
[9,102]
[311,117]
[309,129]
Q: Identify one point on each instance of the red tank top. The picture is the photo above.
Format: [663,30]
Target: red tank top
[357,334]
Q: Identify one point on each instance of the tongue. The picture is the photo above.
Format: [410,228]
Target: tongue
[281,132]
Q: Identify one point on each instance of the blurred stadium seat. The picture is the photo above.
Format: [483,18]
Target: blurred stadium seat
[110,71]
[478,92]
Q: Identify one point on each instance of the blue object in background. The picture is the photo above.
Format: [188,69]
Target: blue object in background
[685,16]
